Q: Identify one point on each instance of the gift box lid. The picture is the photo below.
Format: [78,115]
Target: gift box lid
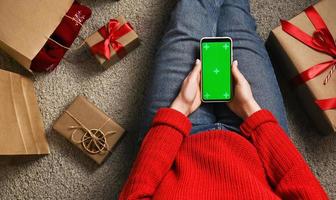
[295,49]
[129,41]
[296,57]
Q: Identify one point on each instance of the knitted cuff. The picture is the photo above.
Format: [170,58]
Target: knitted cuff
[174,119]
[255,120]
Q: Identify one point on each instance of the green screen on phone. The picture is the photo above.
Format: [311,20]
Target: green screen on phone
[216,69]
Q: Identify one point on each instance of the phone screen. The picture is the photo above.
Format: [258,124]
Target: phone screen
[216,69]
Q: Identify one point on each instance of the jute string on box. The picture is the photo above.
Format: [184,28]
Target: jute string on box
[333,69]
[93,140]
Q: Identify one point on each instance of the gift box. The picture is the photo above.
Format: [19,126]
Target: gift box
[304,47]
[21,126]
[90,129]
[113,41]
[36,43]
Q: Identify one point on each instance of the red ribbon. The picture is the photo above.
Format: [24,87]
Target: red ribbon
[321,41]
[326,104]
[111,32]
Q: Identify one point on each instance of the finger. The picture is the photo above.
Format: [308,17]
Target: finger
[199,77]
[237,75]
[196,71]
[196,79]
[198,66]
[192,76]
[198,94]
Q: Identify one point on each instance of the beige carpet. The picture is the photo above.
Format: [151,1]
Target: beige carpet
[67,173]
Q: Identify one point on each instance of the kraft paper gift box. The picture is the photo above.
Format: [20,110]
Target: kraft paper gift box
[295,57]
[89,129]
[122,39]
[21,126]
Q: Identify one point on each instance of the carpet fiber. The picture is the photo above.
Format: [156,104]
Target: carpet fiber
[67,173]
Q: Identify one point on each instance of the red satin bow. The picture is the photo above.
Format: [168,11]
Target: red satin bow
[111,32]
[321,41]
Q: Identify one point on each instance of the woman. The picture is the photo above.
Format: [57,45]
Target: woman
[216,151]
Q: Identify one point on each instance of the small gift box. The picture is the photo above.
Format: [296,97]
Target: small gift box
[305,47]
[113,41]
[90,129]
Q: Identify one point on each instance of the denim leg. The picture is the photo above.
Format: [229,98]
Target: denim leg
[236,21]
[175,57]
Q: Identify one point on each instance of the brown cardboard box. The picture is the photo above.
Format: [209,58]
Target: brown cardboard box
[26,27]
[129,41]
[295,57]
[21,126]
[91,130]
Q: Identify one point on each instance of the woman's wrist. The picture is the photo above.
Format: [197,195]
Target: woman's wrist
[182,108]
[247,109]
[250,108]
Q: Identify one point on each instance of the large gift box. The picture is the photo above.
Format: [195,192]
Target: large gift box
[305,48]
[21,126]
[38,33]
[113,41]
[90,129]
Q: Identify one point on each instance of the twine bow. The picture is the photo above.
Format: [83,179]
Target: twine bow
[93,140]
[111,33]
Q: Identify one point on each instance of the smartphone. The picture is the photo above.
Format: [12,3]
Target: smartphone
[216,79]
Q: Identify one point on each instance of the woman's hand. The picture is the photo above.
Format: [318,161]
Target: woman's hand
[189,98]
[243,103]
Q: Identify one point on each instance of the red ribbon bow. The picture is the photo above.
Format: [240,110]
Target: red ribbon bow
[321,41]
[111,32]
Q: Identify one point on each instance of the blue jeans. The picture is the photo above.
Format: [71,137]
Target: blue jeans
[190,21]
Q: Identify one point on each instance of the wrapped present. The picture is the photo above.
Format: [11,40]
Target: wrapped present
[305,47]
[113,41]
[36,43]
[90,129]
[21,126]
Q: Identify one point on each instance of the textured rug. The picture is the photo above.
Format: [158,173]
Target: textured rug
[67,173]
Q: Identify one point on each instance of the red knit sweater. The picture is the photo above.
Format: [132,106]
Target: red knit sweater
[260,164]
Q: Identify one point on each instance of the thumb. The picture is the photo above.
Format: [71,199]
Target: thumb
[197,70]
[198,66]
[237,75]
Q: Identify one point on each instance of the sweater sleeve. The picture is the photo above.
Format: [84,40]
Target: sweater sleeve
[156,155]
[286,169]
